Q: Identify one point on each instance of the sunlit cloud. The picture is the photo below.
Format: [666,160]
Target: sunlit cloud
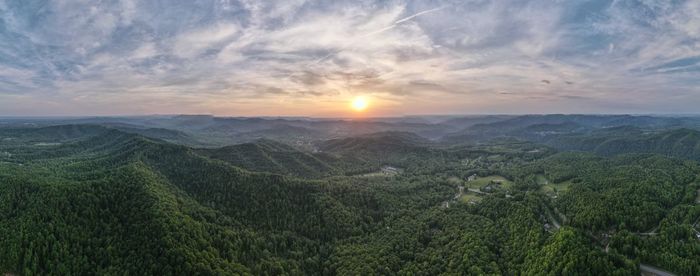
[312,57]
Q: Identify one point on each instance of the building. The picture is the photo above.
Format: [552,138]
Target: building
[390,170]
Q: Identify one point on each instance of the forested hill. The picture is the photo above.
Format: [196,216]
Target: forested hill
[51,134]
[90,200]
[170,135]
[380,145]
[536,127]
[63,133]
[119,203]
[343,156]
[681,143]
[275,157]
[605,135]
[643,206]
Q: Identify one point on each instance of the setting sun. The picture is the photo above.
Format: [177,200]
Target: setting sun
[359,104]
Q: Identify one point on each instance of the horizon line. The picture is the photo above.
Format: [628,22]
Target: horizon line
[338,117]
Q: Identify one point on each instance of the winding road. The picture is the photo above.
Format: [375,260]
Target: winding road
[650,270]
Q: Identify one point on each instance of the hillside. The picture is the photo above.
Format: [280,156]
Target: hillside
[170,135]
[53,134]
[537,127]
[97,200]
[680,143]
[274,157]
[381,143]
[121,203]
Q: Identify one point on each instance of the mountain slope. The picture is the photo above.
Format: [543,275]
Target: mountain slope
[534,127]
[376,144]
[119,203]
[111,202]
[274,157]
[680,143]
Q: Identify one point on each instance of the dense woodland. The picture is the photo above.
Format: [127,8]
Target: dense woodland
[88,199]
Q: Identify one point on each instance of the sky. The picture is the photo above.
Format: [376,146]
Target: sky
[311,58]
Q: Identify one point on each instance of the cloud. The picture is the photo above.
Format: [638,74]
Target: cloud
[231,56]
[574,97]
[193,43]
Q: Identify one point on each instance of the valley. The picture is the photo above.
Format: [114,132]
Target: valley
[373,137]
[98,199]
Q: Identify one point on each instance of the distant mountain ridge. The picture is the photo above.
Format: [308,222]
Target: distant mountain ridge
[680,143]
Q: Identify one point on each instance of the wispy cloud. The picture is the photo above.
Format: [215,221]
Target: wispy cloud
[268,57]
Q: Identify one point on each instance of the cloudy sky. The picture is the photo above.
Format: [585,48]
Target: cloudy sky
[297,57]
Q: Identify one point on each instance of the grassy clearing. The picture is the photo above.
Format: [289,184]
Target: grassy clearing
[376,174]
[553,188]
[483,181]
[386,171]
[468,197]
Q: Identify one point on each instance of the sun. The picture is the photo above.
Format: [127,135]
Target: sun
[359,104]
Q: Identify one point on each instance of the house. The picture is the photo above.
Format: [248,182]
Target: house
[472,177]
[390,170]
[491,187]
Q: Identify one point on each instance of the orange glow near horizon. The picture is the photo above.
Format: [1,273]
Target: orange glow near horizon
[359,104]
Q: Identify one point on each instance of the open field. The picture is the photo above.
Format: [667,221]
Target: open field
[468,197]
[483,181]
[551,188]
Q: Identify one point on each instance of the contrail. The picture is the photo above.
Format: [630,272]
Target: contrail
[418,14]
